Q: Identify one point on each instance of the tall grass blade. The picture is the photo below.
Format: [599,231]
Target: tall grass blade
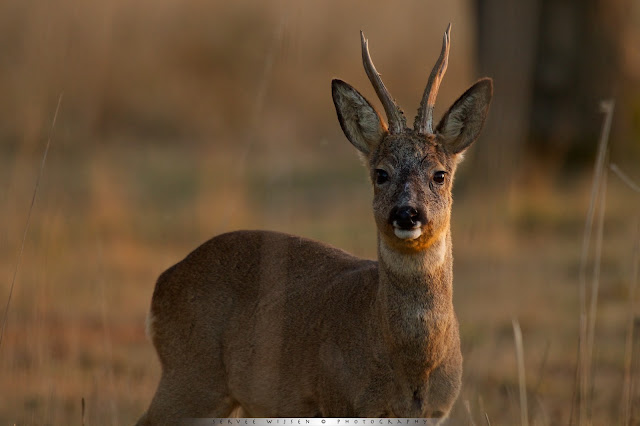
[595,279]
[522,380]
[627,395]
[583,353]
[623,177]
[467,406]
[26,228]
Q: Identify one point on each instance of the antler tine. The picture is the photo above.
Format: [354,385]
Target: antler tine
[397,121]
[424,120]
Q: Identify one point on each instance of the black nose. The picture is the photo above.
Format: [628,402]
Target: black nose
[404,217]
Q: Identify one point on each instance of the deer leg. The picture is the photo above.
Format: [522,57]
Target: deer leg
[183,394]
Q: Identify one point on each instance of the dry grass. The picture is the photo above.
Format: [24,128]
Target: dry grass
[186,119]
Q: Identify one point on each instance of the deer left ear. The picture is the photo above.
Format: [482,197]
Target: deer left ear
[462,123]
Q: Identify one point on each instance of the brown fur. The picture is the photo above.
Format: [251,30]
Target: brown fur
[283,326]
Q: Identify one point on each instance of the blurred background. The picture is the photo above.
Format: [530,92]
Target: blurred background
[181,119]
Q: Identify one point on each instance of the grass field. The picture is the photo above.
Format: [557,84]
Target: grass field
[104,228]
[173,130]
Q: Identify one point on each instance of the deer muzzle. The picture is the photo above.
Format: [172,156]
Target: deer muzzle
[407,222]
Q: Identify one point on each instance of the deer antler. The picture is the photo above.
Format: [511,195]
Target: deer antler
[397,121]
[423,123]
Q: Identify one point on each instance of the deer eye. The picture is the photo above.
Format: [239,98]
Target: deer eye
[438,177]
[381,176]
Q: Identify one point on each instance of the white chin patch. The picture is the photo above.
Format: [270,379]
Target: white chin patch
[408,234]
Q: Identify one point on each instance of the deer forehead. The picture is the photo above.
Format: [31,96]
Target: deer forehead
[411,152]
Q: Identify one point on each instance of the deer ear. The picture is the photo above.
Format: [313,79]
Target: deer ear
[461,125]
[360,122]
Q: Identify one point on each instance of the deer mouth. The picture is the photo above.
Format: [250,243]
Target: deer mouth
[407,233]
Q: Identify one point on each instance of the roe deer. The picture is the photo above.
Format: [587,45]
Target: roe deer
[282,326]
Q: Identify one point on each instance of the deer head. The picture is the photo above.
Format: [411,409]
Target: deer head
[411,169]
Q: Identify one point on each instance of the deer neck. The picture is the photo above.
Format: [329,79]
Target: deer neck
[427,272]
[415,301]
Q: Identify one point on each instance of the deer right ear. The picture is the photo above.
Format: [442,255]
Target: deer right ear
[360,122]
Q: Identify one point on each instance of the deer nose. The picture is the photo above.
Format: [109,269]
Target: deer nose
[405,217]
